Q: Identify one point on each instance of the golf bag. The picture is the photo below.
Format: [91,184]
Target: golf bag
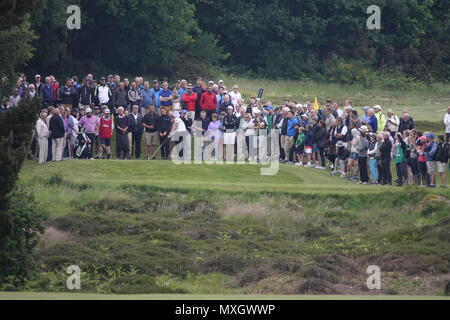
[81,147]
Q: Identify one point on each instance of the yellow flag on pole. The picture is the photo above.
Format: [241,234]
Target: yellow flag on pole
[316,104]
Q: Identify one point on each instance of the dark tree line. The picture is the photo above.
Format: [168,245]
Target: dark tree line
[273,38]
[297,38]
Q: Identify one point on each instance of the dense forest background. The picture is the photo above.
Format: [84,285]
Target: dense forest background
[322,40]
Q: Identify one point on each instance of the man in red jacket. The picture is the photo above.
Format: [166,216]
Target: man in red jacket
[189,100]
[105,133]
[208,101]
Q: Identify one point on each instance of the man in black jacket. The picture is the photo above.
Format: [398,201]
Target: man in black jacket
[120,98]
[150,123]
[121,125]
[135,129]
[86,94]
[385,159]
[68,95]
[164,127]
[406,123]
[57,133]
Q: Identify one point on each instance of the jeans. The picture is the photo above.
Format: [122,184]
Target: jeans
[373,169]
[402,173]
[362,163]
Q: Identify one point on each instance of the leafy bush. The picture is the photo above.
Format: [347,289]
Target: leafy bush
[16,255]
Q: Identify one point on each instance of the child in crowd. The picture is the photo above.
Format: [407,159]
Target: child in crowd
[300,146]
[373,157]
[400,160]
[309,146]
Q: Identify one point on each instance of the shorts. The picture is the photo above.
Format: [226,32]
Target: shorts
[354,156]
[300,150]
[431,167]
[315,148]
[168,108]
[441,167]
[229,138]
[151,138]
[105,142]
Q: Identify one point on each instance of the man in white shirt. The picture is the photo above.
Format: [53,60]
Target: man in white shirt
[43,134]
[447,123]
[392,123]
[235,95]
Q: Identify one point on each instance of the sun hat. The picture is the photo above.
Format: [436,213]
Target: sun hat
[364,129]
[340,144]
[88,110]
[377,107]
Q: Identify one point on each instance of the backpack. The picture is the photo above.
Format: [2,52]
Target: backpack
[442,152]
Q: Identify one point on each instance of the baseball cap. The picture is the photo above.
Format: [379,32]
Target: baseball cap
[88,110]
[339,144]
[37,76]
[366,108]
[107,111]
[431,136]
[364,129]
[377,107]
[184,112]
[102,78]
[110,76]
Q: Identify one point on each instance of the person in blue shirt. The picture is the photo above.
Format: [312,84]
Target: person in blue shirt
[183,89]
[148,98]
[166,97]
[373,121]
[156,92]
[292,123]
[220,97]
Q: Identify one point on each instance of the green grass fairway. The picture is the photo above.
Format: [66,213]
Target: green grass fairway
[175,297]
[165,174]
